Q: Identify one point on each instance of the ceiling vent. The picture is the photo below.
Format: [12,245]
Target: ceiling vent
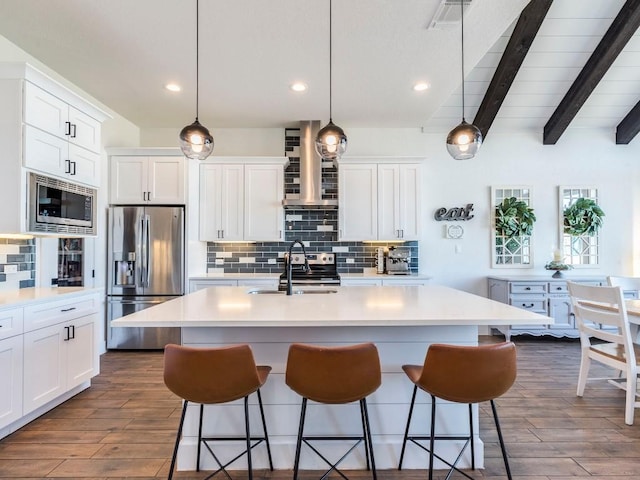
[448,13]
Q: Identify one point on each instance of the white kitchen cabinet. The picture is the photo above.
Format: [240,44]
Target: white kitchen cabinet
[358,200]
[221,202]
[263,194]
[60,139]
[11,365]
[399,210]
[241,199]
[25,143]
[380,199]
[147,179]
[60,348]
[542,295]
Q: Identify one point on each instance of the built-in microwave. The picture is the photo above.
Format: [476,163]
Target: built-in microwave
[60,207]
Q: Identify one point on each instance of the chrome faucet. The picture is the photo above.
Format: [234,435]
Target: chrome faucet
[289,263]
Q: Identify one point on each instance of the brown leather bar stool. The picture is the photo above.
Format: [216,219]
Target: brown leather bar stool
[216,375]
[462,374]
[334,375]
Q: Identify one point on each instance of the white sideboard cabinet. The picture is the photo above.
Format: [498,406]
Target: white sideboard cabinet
[241,199]
[380,198]
[544,295]
[154,176]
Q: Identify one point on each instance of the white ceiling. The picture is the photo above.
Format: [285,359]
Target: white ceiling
[124,51]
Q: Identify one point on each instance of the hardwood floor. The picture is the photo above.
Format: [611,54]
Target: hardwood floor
[124,426]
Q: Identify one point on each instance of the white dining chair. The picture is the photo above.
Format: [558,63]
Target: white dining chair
[601,314]
[630,285]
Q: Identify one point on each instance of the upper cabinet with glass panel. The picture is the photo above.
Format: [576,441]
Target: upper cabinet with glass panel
[580,222]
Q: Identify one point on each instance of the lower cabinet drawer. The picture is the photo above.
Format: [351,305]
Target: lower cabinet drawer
[535,305]
[11,322]
[51,313]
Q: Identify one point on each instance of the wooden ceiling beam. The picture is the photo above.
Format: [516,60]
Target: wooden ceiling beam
[621,30]
[514,54]
[629,127]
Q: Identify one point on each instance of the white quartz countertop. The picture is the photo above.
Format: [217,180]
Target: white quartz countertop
[351,306]
[24,296]
[385,276]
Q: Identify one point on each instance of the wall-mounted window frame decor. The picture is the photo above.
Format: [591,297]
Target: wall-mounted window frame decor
[579,251]
[510,251]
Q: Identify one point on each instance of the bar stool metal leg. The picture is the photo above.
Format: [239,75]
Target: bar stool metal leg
[296,462]
[406,431]
[367,439]
[473,450]
[364,434]
[248,433]
[178,436]
[264,426]
[433,435]
[199,438]
[502,447]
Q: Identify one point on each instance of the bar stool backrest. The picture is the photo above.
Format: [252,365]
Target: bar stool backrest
[210,375]
[469,374]
[333,375]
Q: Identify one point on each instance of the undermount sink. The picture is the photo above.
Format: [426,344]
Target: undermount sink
[297,291]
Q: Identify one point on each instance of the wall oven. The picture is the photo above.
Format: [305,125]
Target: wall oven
[60,207]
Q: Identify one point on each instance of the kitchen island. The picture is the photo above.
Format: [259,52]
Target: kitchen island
[401,321]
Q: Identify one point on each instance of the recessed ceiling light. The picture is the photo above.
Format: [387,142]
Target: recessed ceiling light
[173,87]
[421,86]
[298,87]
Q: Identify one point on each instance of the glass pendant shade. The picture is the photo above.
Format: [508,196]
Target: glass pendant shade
[195,141]
[331,142]
[464,141]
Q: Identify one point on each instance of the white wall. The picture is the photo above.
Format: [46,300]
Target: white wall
[227,141]
[581,157]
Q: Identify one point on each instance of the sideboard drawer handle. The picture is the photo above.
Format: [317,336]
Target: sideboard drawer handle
[527,288]
[524,305]
[67,309]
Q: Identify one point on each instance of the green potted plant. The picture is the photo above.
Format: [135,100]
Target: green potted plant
[583,217]
[514,218]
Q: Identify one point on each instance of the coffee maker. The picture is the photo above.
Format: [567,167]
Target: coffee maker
[398,260]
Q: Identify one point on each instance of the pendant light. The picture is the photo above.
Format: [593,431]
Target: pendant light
[464,141]
[331,141]
[195,140]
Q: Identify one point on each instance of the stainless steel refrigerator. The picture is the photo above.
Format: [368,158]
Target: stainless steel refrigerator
[146,266]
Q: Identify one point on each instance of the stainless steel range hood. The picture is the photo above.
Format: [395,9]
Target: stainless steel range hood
[310,171]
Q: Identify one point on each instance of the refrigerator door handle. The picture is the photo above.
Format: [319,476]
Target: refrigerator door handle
[147,241]
[143,251]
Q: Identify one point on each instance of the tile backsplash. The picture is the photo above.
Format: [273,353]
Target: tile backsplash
[267,257]
[317,228]
[17,263]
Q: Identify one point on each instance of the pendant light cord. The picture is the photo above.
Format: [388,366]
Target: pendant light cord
[330,63]
[462,44]
[197,56]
